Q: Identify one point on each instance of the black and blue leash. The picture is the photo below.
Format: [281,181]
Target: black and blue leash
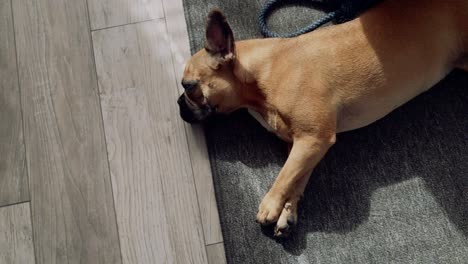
[345,11]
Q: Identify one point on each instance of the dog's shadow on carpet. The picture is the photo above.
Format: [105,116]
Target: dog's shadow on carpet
[426,138]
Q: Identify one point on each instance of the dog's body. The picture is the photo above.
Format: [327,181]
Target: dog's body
[335,79]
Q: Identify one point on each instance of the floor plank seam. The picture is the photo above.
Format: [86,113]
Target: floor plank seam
[26,159]
[13,204]
[93,57]
[215,243]
[122,25]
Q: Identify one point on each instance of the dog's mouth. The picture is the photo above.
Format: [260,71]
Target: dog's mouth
[191,113]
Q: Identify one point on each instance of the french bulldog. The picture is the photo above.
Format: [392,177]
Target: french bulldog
[338,78]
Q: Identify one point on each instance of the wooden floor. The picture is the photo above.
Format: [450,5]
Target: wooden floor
[95,164]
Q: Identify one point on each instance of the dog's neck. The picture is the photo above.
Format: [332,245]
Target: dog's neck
[252,68]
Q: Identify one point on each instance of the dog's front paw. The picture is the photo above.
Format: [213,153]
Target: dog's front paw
[270,208]
[287,219]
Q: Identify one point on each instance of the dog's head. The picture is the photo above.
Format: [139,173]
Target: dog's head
[209,82]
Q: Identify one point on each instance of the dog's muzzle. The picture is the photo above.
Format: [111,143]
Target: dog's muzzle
[192,114]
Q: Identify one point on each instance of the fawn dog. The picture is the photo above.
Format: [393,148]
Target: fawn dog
[338,78]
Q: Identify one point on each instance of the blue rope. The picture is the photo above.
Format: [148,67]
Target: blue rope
[345,12]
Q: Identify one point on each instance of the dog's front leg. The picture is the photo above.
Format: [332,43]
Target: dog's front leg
[280,203]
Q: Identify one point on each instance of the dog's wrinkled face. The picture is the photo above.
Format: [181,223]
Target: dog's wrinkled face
[208,80]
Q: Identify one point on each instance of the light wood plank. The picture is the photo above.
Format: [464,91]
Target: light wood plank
[179,43]
[109,13]
[16,242]
[13,177]
[178,35]
[216,254]
[155,196]
[72,207]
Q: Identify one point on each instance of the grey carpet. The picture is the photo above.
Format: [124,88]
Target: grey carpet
[393,192]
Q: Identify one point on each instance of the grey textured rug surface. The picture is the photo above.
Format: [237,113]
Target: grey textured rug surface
[393,192]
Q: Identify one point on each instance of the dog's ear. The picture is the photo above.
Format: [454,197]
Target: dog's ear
[219,38]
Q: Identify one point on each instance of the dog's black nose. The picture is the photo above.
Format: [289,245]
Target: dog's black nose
[185,113]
